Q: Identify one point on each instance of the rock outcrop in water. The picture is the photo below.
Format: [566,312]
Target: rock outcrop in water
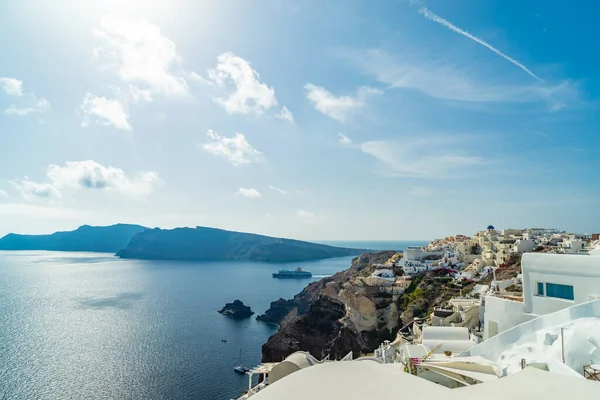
[236,310]
[210,244]
[343,313]
[85,238]
[278,310]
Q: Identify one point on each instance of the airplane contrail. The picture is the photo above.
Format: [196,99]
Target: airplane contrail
[436,18]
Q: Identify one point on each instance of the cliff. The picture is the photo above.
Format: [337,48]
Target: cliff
[344,312]
[300,304]
[210,244]
[85,238]
[330,317]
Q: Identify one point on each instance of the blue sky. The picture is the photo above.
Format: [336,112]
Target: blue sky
[314,120]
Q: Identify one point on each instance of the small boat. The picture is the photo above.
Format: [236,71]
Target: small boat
[297,273]
[224,340]
[240,369]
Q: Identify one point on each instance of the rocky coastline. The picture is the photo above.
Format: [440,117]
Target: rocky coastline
[343,313]
[320,319]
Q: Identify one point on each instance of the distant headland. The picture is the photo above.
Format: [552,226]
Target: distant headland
[200,243]
[103,239]
[211,244]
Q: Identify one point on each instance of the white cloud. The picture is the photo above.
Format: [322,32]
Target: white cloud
[31,191]
[11,86]
[136,94]
[90,174]
[343,139]
[420,191]
[14,110]
[306,216]
[144,60]
[86,174]
[251,96]
[250,193]
[281,191]
[235,149]
[285,115]
[104,112]
[200,79]
[41,105]
[448,82]
[337,107]
[141,55]
[435,18]
[32,104]
[428,158]
[3,193]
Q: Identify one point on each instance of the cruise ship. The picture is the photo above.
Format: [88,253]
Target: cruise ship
[297,273]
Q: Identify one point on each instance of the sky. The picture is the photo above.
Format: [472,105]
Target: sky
[316,120]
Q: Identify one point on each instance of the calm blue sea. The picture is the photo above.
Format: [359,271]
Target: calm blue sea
[92,326]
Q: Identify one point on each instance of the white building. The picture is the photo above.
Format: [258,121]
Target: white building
[565,342]
[386,274]
[512,232]
[441,339]
[412,267]
[371,380]
[523,245]
[416,253]
[574,245]
[412,253]
[551,282]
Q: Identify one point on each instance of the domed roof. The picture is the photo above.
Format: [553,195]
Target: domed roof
[491,227]
[302,359]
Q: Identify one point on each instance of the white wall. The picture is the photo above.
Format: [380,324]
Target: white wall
[412,253]
[525,245]
[505,313]
[493,348]
[582,271]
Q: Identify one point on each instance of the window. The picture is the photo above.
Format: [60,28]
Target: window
[540,288]
[560,291]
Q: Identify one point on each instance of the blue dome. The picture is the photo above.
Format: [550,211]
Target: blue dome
[490,227]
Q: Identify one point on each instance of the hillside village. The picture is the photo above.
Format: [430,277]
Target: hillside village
[492,257]
[459,312]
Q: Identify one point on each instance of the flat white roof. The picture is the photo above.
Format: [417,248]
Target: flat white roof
[414,350]
[445,333]
[533,384]
[263,368]
[350,380]
[449,371]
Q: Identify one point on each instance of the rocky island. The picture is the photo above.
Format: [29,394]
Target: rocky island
[108,239]
[211,244]
[236,310]
[198,244]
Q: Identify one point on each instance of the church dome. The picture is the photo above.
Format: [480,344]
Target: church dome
[491,227]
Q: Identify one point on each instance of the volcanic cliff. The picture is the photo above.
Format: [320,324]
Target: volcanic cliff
[346,312]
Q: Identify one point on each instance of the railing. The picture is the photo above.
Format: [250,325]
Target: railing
[255,390]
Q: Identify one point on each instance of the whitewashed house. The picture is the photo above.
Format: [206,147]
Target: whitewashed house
[551,282]
[386,274]
[524,245]
[412,267]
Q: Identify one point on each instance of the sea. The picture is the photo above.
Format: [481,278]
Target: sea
[93,326]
